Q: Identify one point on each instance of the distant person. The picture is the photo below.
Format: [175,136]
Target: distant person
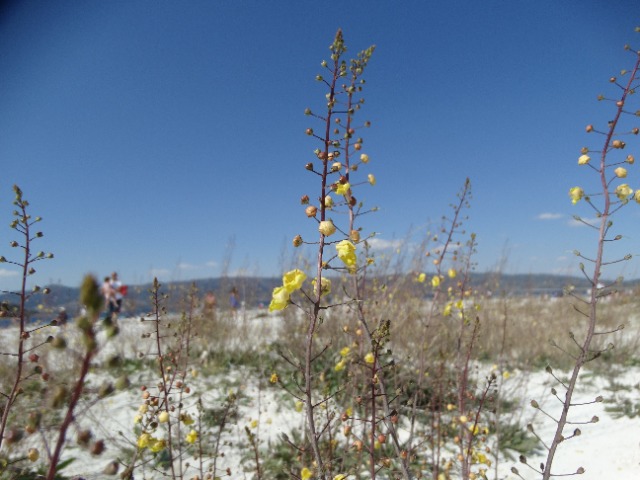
[234,302]
[118,291]
[109,295]
[210,303]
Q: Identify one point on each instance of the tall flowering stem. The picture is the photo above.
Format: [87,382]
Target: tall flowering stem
[335,195]
[615,195]
[23,224]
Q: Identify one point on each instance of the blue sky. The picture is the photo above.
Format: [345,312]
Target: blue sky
[167,138]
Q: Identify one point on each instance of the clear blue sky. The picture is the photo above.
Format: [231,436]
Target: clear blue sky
[151,134]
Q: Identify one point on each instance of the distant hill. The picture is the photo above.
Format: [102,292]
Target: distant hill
[256,291]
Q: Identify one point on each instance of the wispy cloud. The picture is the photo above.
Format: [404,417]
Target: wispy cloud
[4,273]
[382,244]
[183,266]
[550,216]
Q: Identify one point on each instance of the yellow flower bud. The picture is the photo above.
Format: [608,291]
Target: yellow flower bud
[297,241]
[583,159]
[354,235]
[274,378]
[369,358]
[163,417]
[372,179]
[328,201]
[364,158]
[311,211]
[630,159]
[326,286]
[623,192]
[327,228]
[422,277]
[620,172]
[33,454]
[452,273]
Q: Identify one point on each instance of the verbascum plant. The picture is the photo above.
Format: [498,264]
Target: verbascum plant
[11,432]
[610,164]
[339,243]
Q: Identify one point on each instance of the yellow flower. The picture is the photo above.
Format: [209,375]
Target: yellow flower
[623,192]
[422,277]
[293,280]
[576,193]
[143,408]
[347,253]
[137,419]
[274,378]
[306,474]
[157,445]
[372,179]
[364,158]
[299,406]
[279,299]
[620,172]
[637,196]
[33,454]
[369,358]
[343,188]
[163,417]
[340,365]
[584,159]
[336,166]
[435,281]
[143,440]
[327,228]
[191,437]
[254,424]
[341,476]
[447,310]
[452,273]
[326,286]
[345,351]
